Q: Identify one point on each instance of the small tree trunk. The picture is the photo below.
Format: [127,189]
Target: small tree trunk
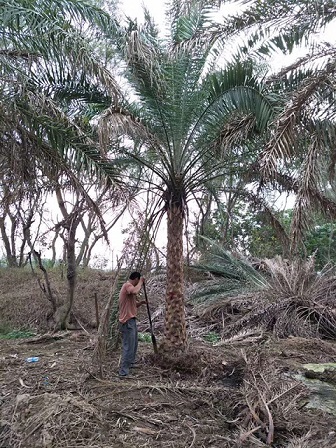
[175,323]
[10,256]
[48,293]
[71,270]
[62,315]
[53,247]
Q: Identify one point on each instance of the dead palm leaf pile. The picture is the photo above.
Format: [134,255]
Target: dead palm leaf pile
[234,398]
[269,407]
[292,300]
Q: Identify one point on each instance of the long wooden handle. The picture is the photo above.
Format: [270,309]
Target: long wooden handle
[150,321]
[148,310]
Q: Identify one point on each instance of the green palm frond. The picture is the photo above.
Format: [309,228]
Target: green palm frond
[49,72]
[228,276]
[32,35]
[236,94]
[285,23]
[54,132]
[221,263]
[23,20]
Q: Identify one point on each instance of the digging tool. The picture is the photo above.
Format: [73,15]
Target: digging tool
[150,321]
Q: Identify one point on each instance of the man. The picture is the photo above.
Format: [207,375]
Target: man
[128,306]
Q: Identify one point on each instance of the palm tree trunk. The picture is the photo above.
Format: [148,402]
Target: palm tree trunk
[175,324]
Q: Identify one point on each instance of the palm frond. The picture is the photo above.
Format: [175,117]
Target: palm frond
[297,302]
[285,138]
[33,34]
[287,23]
[221,263]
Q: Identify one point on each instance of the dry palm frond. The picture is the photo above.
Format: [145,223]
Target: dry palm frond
[310,181]
[265,401]
[290,279]
[270,216]
[323,51]
[310,194]
[285,136]
[283,25]
[297,302]
[138,50]
[49,414]
[312,440]
[235,131]
[103,329]
[117,121]
[249,335]
[301,442]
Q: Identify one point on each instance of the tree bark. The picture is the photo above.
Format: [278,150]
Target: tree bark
[62,316]
[11,258]
[71,222]
[71,268]
[175,322]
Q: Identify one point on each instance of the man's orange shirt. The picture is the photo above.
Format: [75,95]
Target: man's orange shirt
[127,303]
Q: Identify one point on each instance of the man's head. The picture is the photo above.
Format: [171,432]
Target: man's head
[134,278]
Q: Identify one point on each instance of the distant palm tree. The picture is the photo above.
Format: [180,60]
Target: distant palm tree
[48,72]
[177,117]
[45,55]
[301,143]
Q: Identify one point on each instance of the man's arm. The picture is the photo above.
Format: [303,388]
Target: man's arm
[135,289]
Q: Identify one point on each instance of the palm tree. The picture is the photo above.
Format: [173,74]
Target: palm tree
[299,153]
[44,58]
[49,70]
[177,117]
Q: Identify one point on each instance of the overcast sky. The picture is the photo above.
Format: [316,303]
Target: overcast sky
[134,9]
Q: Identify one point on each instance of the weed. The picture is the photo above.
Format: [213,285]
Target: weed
[211,337]
[16,334]
[144,337]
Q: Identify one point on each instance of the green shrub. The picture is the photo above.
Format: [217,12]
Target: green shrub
[6,333]
[212,337]
[144,337]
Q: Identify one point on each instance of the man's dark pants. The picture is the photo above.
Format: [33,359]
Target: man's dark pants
[129,333]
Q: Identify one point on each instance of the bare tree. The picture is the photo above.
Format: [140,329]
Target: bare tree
[71,221]
[108,202]
[20,208]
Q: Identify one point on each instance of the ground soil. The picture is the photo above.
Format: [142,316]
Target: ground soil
[241,393]
[192,401]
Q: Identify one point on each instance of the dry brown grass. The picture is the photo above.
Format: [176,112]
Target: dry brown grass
[23,304]
[230,396]
[237,394]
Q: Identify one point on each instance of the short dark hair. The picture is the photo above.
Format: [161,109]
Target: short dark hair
[135,275]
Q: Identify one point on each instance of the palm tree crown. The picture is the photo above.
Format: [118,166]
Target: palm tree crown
[180,110]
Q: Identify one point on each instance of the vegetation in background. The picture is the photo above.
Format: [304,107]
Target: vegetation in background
[15,334]
[191,125]
[252,235]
